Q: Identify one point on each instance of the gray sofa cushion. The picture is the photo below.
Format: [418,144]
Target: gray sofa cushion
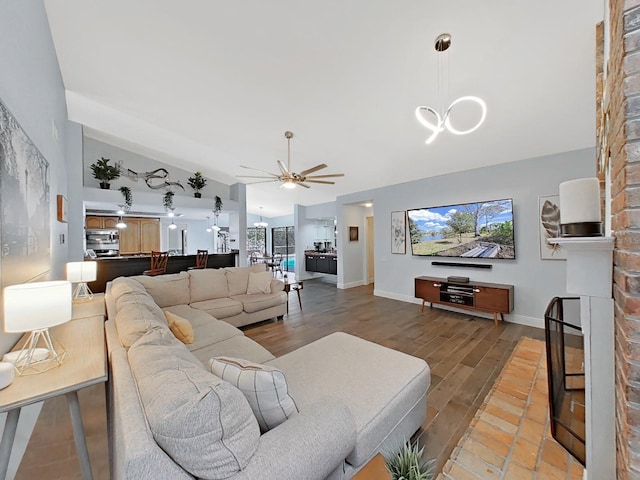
[133,320]
[167,290]
[379,405]
[208,283]
[205,425]
[220,308]
[239,346]
[260,301]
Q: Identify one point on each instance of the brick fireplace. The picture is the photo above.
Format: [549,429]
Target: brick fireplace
[622,94]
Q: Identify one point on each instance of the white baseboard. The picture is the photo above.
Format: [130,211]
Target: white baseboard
[344,286]
[512,318]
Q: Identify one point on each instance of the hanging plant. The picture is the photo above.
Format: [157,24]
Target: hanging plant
[128,198]
[104,172]
[217,208]
[197,182]
[167,200]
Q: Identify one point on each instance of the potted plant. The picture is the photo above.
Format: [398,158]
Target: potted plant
[167,200]
[217,208]
[128,198]
[407,464]
[197,182]
[104,172]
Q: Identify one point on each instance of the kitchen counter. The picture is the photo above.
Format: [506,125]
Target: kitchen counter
[127,266]
[313,252]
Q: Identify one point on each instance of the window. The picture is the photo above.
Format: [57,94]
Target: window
[256,240]
[284,242]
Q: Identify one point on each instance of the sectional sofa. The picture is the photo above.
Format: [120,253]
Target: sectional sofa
[171,417]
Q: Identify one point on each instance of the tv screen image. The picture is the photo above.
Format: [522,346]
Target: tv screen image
[473,230]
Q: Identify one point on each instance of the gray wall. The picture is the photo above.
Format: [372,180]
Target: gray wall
[31,87]
[536,281]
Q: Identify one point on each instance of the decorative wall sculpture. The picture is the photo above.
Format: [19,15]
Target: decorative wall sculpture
[24,205]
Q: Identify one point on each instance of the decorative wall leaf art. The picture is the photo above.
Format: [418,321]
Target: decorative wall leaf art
[549,225]
[398,232]
[25,199]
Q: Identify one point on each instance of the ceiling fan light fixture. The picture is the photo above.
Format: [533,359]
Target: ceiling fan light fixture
[290,184]
[173,226]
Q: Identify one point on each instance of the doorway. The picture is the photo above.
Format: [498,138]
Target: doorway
[370,264]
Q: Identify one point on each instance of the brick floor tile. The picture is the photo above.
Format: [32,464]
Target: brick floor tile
[477,466]
[531,431]
[498,422]
[518,472]
[494,432]
[490,442]
[554,454]
[458,473]
[486,454]
[547,472]
[501,413]
[525,453]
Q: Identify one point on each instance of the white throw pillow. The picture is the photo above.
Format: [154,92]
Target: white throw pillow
[259,283]
[265,388]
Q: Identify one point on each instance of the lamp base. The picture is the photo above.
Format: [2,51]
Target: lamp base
[581,229]
[39,353]
[82,293]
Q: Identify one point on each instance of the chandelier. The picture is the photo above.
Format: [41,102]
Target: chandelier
[441,120]
[261,223]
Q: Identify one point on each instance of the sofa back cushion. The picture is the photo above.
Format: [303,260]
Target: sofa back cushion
[126,291]
[167,290]
[202,422]
[134,320]
[238,278]
[208,284]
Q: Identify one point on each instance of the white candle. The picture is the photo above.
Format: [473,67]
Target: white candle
[580,201]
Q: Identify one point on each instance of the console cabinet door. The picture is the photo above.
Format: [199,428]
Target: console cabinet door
[310,263]
[333,265]
[492,299]
[428,290]
[322,264]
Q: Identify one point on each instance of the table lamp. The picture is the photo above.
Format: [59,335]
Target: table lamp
[81,273]
[34,307]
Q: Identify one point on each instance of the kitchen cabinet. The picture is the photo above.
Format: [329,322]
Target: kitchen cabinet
[93,222]
[142,235]
[321,263]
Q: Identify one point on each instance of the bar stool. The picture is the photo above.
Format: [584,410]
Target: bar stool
[159,262]
[201,260]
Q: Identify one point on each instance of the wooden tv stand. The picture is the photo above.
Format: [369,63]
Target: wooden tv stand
[492,298]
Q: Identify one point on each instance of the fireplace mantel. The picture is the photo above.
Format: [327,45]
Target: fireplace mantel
[589,275]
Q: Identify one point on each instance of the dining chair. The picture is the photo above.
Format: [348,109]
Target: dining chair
[159,262]
[253,258]
[275,264]
[201,260]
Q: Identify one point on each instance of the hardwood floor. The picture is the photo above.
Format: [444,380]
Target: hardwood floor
[465,354]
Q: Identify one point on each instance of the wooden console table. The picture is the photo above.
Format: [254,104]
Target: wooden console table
[85,364]
[492,298]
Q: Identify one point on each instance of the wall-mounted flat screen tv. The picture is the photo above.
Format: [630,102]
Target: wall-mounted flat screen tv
[472,230]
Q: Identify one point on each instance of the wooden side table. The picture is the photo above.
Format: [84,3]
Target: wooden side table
[376,469]
[85,364]
[296,286]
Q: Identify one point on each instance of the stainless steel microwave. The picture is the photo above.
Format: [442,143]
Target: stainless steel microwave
[103,242]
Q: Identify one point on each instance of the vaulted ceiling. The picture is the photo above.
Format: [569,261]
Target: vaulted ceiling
[210,85]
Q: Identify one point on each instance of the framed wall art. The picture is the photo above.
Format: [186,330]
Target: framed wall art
[549,227]
[62,209]
[353,234]
[24,193]
[398,232]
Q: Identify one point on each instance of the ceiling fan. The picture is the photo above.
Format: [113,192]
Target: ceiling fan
[288,178]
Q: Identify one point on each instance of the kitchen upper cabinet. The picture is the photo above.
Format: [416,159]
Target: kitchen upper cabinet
[93,222]
[130,237]
[149,235]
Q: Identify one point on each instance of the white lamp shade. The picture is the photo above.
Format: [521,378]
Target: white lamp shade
[81,271]
[32,306]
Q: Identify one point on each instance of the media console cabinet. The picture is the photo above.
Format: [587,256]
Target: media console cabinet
[492,298]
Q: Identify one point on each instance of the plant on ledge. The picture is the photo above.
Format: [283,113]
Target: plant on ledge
[128,198]
[197,182]
[167,200]
[217,208]
[406,464]
[104,172]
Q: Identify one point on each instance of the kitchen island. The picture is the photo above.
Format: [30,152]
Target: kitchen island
[127,266]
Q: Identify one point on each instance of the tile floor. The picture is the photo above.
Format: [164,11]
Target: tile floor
[510,436]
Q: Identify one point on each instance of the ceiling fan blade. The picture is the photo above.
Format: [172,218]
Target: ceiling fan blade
[283,167]
[303,185]
[312,169]
[275,177]
[311,180]
[329,175]
[258,170]
[263,181]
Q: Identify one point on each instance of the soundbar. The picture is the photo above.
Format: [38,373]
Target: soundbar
[463,265]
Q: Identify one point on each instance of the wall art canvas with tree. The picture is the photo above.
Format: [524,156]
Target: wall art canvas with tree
[549,226]
[24,205]
[398,232]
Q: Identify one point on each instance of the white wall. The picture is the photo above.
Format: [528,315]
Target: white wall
[536,281]
[31,87]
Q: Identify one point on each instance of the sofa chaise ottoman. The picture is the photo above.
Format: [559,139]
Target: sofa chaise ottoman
[353,399]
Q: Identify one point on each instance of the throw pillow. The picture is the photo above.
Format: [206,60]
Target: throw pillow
[204,424]
[180,327]
[264,387]
[259,283]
